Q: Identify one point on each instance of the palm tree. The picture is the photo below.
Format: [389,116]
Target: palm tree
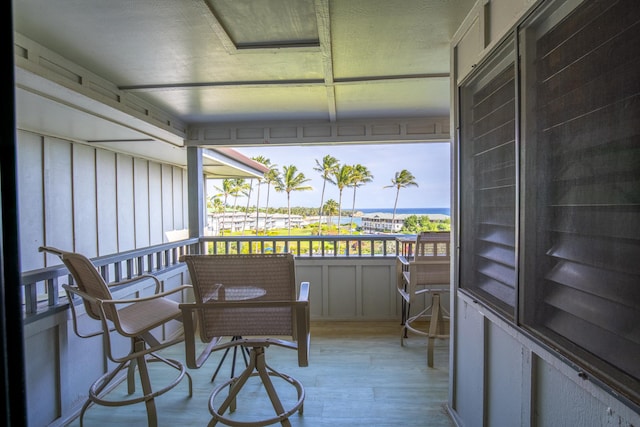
[235,188]
[342,179]
[239,188]
[327,168]
[291,180]
[402,179]
[218,206]
[359,175]
[247,193]
[214,204]
[225,190]
[264,161]
[331,209]
[271,177]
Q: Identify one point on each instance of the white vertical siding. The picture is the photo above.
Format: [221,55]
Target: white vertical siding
[141,201]
[107,202]
[351,288]
[58,195]
[167,198]
[126,206]
[92,201]
[378,298]
[179,220]
[504,392]
[342,292]
[30,199]
[156,234]
[42,376]
[85,213]
[184,198]
[469,365]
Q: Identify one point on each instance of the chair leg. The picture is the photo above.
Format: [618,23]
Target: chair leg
[257,363]
[143,370]
[245,353]
[261,367]
[131,374]
[406,307]
[230,401]
[435,325]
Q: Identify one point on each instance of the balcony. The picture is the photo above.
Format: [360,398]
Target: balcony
[358,374]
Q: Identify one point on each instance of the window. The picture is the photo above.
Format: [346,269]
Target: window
[550,222]
[582,145]
[488,182]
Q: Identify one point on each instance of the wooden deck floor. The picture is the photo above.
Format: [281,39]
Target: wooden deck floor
[358,375]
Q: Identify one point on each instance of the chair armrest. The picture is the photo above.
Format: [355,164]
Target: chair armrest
[189,325]
[149,298]
[303,295]
[144,276]
[401,259]
[302,329]
[75,291]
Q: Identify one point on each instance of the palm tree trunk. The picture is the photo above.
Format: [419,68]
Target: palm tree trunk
[353,206]
[246,212]
[224,215]
[258,209]
[289,212]
[393,218]
[324,183]
[266,209]
[339,211]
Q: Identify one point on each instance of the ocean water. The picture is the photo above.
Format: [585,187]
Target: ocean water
[411,211]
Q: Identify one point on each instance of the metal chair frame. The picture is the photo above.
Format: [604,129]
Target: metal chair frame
[133,318]
[426,271]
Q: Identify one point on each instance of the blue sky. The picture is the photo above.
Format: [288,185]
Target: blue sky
[428,162]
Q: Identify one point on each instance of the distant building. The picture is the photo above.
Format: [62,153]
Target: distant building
[381,222]
[237,221]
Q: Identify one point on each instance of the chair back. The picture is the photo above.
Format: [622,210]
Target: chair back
[432,258]
[244,278]
[88,280]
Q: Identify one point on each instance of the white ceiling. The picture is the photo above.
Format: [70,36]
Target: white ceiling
[212,62]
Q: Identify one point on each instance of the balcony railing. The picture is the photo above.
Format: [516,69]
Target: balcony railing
[304,246]
[42,287]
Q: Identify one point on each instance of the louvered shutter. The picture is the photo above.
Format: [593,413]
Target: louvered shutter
[584,171]
[488,183]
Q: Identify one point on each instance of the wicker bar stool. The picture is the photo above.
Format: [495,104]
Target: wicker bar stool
[252,298]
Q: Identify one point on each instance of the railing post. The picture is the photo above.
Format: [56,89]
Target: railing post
[52,291]
[31,298]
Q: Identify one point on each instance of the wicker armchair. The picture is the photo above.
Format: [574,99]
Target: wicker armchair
[252,298]
[427,272]
[131,318]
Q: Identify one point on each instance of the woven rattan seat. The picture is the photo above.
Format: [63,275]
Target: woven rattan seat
[251,298]
[133,318]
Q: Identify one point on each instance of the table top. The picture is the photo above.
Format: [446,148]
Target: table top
[236,293]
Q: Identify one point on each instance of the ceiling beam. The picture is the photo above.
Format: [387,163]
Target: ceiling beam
[326,51]
[428,129]
[290,83]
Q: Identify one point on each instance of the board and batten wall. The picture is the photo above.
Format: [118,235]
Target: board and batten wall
[90,200]
[96,202]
